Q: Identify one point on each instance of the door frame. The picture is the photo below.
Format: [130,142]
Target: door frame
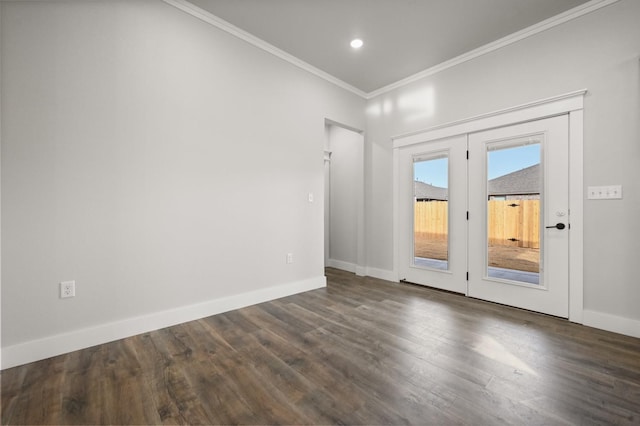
[571,104]
[359,267]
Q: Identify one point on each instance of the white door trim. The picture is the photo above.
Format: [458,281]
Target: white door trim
[569,103]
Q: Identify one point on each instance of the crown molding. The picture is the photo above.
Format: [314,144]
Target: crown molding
[210,18]
[552,22]
[547,24]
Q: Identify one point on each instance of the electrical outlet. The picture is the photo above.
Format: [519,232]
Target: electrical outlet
[67,289]
[289,257]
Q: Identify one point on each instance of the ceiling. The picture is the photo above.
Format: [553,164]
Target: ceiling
[401,37]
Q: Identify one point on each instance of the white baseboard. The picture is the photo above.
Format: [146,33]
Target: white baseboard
[616,324]
[339,264]
[382,274]
[47,347]
[368,271]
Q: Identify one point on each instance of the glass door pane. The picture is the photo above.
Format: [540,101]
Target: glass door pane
[514,187]
[431,211]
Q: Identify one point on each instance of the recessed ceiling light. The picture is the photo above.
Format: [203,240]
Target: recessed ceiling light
[356,43]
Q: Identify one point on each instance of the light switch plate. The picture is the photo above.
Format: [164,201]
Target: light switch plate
[610,192]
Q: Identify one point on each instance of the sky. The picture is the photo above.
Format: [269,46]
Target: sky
[501,162]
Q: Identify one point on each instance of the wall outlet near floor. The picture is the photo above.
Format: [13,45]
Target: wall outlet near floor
[611,192]
[289,257]
[67,289]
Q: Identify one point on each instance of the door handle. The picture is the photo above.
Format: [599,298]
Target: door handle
[558,226]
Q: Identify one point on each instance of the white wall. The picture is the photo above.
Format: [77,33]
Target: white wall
[346,178]
[600,52]
[0,192]
[154,159]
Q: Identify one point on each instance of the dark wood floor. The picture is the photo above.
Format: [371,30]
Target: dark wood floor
[361,351]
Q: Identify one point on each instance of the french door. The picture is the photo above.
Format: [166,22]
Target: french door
[433,204]
[486,214]
[519,219]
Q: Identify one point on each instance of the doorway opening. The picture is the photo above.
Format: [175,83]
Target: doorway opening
[509,225]
[344,198]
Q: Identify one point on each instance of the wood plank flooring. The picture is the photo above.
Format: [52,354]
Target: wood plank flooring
[361,351]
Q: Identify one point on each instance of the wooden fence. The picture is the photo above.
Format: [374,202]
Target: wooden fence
[514,219]
[511,223]
[432,219]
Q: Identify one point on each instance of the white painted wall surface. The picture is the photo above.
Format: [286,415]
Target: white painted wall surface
[599,51]
[0,192]
[345,190]
[154,159]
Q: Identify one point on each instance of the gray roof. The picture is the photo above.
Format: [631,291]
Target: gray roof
[521,182]
[525,181]
[424,191]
